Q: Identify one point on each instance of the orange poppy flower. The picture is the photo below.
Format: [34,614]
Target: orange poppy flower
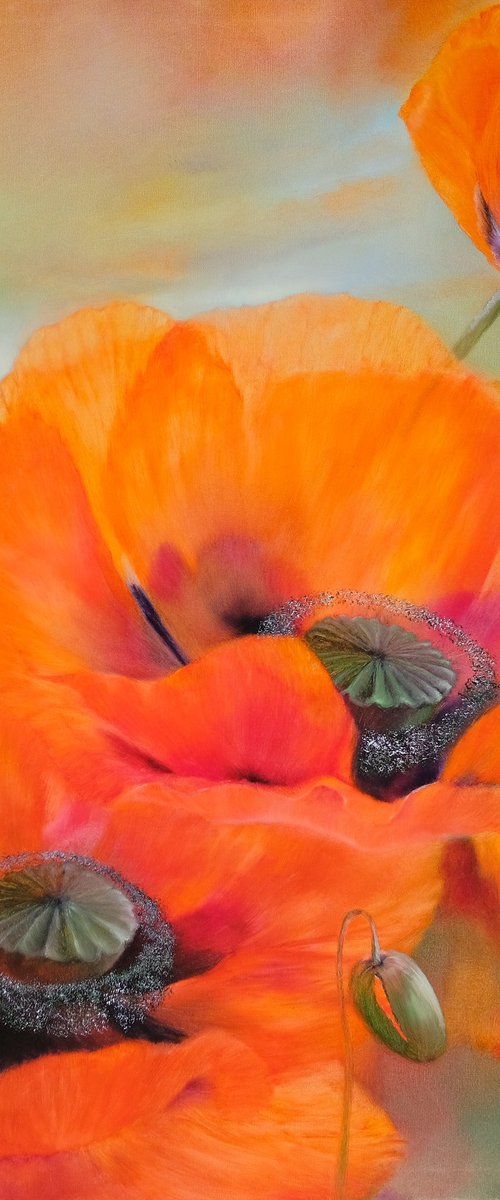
[221,889]
[255,879]
[248,892]
[213,468]
[124,1116]
[452,115]
[128,1117]
[254,740]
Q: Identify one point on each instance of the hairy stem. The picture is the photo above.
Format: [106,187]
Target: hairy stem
[343,1154]
[478,326]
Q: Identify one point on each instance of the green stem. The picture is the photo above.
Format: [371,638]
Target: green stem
[478,326]
[343,1155]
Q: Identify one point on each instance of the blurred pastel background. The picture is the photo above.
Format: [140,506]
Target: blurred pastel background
[194,153]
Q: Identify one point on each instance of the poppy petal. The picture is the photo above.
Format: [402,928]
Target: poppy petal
[62,602]
[452,116]
[181,1114]
[300,476]
[476,757]
[232,470]
[257,708]
[75,374]
[337,333]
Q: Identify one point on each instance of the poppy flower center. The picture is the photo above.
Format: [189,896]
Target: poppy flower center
[64,914]
[81,949]
[381,665]
[413,680]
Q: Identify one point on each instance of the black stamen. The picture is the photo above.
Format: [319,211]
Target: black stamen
[244,624]
[17,1048]
[153,618]
[152,1030]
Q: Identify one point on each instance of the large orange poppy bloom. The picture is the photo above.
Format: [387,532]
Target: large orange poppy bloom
[266,765]
[227,463]
[248,889]
[125,1117]
[453,117]
[221,886]
[436,851]
[255,878]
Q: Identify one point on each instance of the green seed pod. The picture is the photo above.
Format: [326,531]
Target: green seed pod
[418,1031]
[384,667]
[64,913]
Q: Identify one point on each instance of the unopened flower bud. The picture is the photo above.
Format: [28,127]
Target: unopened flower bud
[417,1030]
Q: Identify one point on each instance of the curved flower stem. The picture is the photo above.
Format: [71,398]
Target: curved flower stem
[478,326]
[343,1155]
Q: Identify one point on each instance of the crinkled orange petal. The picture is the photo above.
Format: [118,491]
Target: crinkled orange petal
[332,808]
[309,333]
[79,1098]
[476,757]
[258,708]
[452,115]
[156,1121]
[258,900]
[62,603]
[267,854]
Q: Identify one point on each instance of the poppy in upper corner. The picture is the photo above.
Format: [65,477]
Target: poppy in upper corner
[453,116]
[167,484]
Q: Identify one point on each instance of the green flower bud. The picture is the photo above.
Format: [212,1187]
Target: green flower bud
[418,1030]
